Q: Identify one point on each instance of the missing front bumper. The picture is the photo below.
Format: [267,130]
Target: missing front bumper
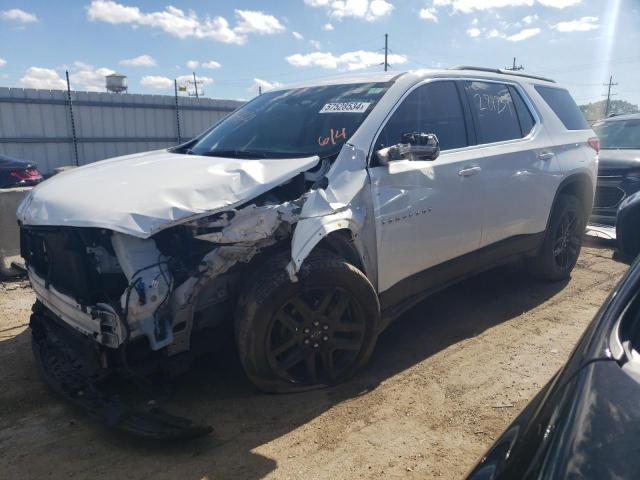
[72,370]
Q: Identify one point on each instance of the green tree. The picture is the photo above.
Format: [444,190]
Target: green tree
[595,111]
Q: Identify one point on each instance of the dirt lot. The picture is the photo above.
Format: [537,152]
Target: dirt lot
[445,380]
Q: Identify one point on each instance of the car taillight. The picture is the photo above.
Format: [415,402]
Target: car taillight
[26,174]
[594,142]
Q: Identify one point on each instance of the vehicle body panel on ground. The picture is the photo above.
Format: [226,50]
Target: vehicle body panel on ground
[585,422]
[313,216]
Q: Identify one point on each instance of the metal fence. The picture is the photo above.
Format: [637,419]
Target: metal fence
[46,127]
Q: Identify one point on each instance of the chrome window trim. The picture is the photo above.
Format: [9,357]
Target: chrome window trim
[537,126]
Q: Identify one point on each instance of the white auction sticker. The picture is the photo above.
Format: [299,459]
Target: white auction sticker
[345,107]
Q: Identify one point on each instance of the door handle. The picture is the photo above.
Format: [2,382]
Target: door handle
[467,172]
[546,156]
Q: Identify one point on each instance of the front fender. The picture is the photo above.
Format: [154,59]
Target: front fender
[310,231]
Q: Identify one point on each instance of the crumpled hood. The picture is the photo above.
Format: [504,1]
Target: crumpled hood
[144,193]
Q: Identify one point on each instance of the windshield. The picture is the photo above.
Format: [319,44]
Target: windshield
[624,134]
[293,123]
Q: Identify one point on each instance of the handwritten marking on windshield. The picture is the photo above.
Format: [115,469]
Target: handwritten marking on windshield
[334,136]
[493,103]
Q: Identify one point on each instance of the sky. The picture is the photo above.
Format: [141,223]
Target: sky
[236,46]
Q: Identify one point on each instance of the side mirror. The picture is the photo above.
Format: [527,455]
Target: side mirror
[414,146]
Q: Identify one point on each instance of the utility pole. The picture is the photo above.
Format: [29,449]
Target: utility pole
[195,83]
[74,137]
[609,85]
[515,67]
[386,50]
[175,86]
[259,89]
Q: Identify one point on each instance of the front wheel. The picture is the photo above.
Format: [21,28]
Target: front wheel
[563,240]
[315,332]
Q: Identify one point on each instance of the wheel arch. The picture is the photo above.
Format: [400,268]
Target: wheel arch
[579,185]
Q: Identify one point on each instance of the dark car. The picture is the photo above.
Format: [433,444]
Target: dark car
[16,173]
[619,168]
[585,423]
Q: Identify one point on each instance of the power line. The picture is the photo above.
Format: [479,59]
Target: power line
[609,85]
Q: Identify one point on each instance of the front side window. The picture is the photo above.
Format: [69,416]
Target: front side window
[293,123]
[619,134]
[494,112]
[431,108]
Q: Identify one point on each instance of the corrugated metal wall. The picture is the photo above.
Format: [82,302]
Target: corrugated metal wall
[35,125]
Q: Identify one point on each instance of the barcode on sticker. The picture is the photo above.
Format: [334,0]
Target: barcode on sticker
[345,107]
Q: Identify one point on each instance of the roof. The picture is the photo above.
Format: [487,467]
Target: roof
[416,75]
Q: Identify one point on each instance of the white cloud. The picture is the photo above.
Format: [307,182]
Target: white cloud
[559,3]
[473,32]
[297,36]
[18,15]
[524,34]
[250,21]
[529,19]
[81,76]
[356,60]
[315,44]
[86,77]
[211,65]
[46,78]
[429,14]
[327,27]
[583,24]
[188,79]
[369,10]
[139,61]
[176,22]
[266,85]
[468,6]
[156,82]
[3,62]
[494,33]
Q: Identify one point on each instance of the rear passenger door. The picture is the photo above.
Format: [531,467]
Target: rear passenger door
[518,172]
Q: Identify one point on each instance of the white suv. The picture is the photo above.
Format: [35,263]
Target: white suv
[308,219]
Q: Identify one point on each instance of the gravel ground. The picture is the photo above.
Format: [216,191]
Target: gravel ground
[444,382]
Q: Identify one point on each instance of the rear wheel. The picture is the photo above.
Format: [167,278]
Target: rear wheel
[307,334]
[563,240]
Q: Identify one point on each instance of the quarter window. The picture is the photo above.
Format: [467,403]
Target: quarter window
[494,112]
[431,108]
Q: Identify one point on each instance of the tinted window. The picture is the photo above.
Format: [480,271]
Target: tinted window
[564,107]
[624,134]
[524,114]
[432,108]
[494,113]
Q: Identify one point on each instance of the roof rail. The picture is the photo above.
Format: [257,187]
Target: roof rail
[499,70]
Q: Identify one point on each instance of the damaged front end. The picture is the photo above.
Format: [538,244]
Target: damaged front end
[132,306]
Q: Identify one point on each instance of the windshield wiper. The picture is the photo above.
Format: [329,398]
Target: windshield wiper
[234,154]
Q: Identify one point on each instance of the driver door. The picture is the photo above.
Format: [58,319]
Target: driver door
[426,212]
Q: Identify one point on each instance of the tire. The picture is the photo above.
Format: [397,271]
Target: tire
[563,241]
[316,332]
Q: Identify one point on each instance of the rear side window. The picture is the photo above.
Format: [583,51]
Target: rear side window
[431,108]
[564,107]
[494,112]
